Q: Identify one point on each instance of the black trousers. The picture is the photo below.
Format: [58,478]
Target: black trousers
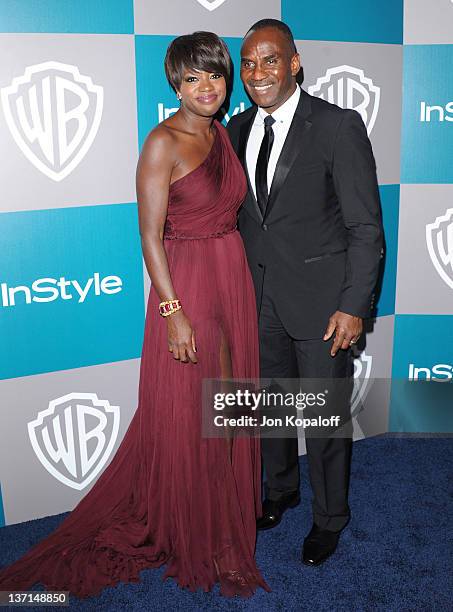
[329,458]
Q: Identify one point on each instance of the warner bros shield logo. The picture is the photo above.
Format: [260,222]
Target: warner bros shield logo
[439,239]
[210,5]
[363,364]
[74,437]
[53,113]
[348,87]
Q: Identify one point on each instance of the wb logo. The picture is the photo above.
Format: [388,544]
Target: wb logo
[210,5]
[74,437]
[439,239]
[53,113]
[348,87]
[362,371]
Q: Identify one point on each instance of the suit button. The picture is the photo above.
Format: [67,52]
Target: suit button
[260,266]
[264,226]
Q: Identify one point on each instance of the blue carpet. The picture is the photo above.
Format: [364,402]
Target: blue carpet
[395,554]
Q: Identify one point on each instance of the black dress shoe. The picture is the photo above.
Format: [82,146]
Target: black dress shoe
[319,545]
[273,510]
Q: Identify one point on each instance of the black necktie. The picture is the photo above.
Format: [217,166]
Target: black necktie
[262,192]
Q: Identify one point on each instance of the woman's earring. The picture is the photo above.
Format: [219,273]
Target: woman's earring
[179,96]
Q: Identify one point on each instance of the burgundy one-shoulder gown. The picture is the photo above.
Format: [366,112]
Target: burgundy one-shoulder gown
[171,496]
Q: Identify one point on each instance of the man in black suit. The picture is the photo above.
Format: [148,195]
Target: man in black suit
[312,230]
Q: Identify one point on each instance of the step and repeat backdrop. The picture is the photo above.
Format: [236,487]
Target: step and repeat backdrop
[81,84]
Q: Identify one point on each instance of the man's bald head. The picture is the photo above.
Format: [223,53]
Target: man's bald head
[277,25]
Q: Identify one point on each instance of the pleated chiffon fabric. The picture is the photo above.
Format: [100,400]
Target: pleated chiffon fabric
[171,496]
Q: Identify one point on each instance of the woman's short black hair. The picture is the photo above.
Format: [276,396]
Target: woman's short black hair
[198,51]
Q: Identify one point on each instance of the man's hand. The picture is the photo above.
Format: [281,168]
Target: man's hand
[347,330]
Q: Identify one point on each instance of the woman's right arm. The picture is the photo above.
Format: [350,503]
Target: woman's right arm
[154,171]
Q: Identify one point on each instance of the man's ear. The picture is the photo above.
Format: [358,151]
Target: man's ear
[295,64]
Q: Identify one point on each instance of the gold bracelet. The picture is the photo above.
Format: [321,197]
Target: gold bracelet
[169,307]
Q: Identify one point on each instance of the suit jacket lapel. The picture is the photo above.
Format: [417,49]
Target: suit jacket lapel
[250,202]
[293,145]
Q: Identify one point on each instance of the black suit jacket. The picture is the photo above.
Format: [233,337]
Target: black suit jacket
[319,245]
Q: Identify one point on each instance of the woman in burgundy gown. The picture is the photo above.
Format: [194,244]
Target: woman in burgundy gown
[171,496]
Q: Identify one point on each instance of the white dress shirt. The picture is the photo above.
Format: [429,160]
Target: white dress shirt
[283,117]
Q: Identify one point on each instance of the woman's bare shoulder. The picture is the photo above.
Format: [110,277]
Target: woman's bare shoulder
[159,142]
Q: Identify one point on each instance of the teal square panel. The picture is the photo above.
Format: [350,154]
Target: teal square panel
[422,385]
[71,288]
[350,20]
[390,197]
[77,16]
[155,98]
[427,132]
